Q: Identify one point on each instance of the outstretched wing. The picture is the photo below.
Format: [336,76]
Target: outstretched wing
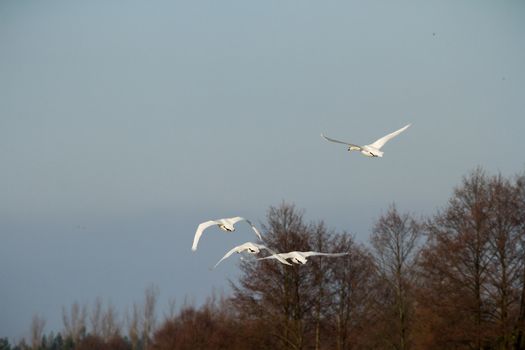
[255,230]
[235,219]
[227,255]
[307,254]
[199,231]
[337,141]
[381,142]
[275,255]
[281,257]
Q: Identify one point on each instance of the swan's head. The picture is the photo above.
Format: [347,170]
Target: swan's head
[253,250]
[299,259]
[227,227]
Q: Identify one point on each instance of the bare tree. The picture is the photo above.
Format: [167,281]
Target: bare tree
[278,295]
[352,282]
[37,331]
[320,278]
[519,342]
[95,317]
[74,322]
[395,241]
[149,316]
[506,268]
[455,267]
[134,331]
[110,323]
[172,309]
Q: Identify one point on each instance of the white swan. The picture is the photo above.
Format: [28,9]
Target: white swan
[224,224]
[373,149]
[252,248]
[300,257]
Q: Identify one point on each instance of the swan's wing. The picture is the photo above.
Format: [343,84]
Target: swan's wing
[235,219]
[337,141]
[307,254]
[381,142]
[199,231]
[227,255]
[281,257]
[255,230]
[274,254]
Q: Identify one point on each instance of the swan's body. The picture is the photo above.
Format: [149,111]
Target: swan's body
[300,257]
[251,248]
[373,149]
[224,224]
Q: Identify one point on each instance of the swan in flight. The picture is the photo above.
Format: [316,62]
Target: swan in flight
[300,257]
[373,149]
[224,224]
[252,248]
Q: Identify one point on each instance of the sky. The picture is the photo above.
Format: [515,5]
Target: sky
[124,124]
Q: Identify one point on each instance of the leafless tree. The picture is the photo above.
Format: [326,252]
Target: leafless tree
[352,281]
[95,317]
[149,317]
[455,267]
[110,323]
[278,295]
[395,241]
[172,309]
[133,323]
[519,185]
[506,268]
[74,321]
[37,331]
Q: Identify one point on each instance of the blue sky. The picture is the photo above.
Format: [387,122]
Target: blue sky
[124,124]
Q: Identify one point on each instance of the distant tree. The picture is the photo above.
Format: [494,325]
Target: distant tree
[37,331]
[95,317]
[351,311]
[279,296]
[455,269]
[321,274]
[149,317]
[118,343]
[323,304]
[506,267]
[395,240]
[91,342]
[74,322]
[134,331]
[212,327]
[4,344]
[110,323]
[519,185]
[56,342]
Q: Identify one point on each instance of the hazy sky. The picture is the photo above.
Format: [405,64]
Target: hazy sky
[124,124]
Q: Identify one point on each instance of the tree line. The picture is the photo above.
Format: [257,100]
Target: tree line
[453,280]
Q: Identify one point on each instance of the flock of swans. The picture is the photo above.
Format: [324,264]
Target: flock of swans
[295,257]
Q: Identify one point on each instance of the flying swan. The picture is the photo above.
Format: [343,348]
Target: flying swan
[224,224]
[252,248]
[300,257]
[373,149]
